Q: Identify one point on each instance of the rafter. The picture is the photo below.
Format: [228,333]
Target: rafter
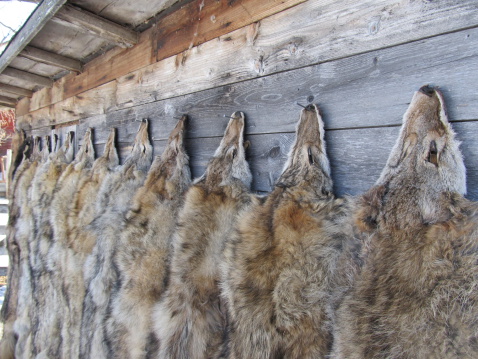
[28,76]
[98,26]
[4,88]
[8,100]
[51,58]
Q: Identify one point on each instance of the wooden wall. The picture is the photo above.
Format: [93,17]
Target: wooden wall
[361,61]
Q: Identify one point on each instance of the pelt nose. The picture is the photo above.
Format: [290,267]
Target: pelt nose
[427,90]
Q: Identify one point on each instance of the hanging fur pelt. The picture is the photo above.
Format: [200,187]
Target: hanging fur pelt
[190,321]
[143,251]
[100,274]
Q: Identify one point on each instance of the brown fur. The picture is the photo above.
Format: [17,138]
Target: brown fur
[62,211]
[143,251]
[46,322]
[279,265]
[416,295]
[190,320]
[100,274]
[23,231]
[20,148]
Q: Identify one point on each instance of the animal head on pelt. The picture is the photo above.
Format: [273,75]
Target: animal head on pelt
[229,164]
[173,163]
[307,161]
[424,164]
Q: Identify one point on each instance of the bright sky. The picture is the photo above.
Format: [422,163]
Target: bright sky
[12,16]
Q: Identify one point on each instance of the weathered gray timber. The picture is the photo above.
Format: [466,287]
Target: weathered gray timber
[362,99]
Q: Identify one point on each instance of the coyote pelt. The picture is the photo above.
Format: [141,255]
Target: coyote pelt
[23,231]
[68,303]
[143,251]
[46,337]
[20,147]
[190,320]
[85,198]
[100,274]
[278,267]
[417,293]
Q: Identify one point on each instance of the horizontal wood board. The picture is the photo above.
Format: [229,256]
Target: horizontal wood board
[313,32]
[362,96]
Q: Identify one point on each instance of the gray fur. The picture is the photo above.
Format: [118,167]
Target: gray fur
[143,251]
[114,200]
[190,321]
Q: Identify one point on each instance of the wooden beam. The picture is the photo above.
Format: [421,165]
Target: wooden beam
[15,90]
[161,41]
[98,26]
[34,24]
[8,100]
[316,31]
[51,58]
[28,76]
[6,105]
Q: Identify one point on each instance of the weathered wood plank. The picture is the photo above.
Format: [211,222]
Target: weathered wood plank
[33,25]
[172,35]
[97,101]
[309,33]
[6,104]
[17,82]
[37,68]
[15,90]
[279,44]
[125,11]
[201,21]
[27,76]
[51,58]
[8,100]
[356,156]
[65,40]
[106,68]
[371,89]
[98,26]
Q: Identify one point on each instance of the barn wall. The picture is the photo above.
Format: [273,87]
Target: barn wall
[360,61]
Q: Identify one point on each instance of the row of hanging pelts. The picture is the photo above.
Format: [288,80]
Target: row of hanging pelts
[134,261]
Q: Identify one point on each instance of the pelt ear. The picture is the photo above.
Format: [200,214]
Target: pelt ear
[370,205]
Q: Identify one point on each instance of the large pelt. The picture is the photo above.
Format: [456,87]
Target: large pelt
[101,276]
[62,253]
[417,293]
[46,337]
[278,269]
[190,320]
[143,251]
[21,147]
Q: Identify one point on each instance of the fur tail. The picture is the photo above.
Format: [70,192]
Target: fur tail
[7,345]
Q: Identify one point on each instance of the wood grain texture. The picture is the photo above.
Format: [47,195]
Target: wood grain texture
[51,58]
[6,100]
[25,64]
[201,21]
[356,156]
[98,26]
[367,90]
[173,34]
[62,39]
[32,26]
[309,33]
[97,101]
[127,12]
[15,90]
[28,77]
